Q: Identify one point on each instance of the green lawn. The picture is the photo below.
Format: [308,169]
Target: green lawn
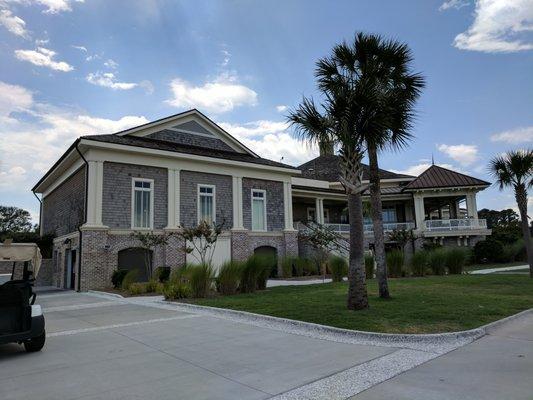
[419,305]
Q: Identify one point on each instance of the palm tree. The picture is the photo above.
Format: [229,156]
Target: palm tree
[381,69]
[515,169]
[337,123]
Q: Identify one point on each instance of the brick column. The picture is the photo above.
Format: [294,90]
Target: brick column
[95,269]
[240,246]
[175,252]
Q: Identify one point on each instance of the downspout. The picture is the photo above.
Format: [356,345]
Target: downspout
[84,213]
[40,212]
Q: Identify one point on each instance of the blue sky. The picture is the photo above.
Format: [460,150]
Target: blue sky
[70,68]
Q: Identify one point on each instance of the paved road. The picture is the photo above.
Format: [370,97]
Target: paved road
[497,366]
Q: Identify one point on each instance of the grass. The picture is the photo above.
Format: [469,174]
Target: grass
[419,305]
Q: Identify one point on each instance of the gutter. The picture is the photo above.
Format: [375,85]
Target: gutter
[84,212]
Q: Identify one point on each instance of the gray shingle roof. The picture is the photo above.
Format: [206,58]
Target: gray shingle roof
[185,149]
[439,177]
[327,168]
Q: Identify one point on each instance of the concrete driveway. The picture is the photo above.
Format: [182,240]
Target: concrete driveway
[108,349]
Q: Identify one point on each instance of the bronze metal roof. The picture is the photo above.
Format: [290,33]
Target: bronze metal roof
[439,177]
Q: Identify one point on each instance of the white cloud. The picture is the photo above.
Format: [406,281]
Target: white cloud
[499,26]
[417,169]
[13,24]
[43,57]
[227,57]
[57,6]
[281,108]
[81,48]
[108,80]
[111,64]
[220,95]
[464,154]
[514,136]
[456,4]
[270,139]
[29,148]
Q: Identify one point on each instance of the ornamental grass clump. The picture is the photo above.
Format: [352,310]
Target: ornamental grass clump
[229,277]
[118,277]
[176,291]
[338,267]
[137,288]
[287,264]
[266,265]
[437,261]
[456,260]
[395,263]
[200,278]
[251,272]
[131,277]
[419,263]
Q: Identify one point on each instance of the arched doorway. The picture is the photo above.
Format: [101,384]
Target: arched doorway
[271,253]
[136,258]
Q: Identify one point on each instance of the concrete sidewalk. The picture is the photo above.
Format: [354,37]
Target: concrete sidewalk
[497,366]
[501,269]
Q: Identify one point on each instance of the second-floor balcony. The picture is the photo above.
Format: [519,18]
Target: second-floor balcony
[369,229]
[447,225]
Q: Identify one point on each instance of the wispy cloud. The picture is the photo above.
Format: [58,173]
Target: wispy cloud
[111,64]
[81,48]
[109,80]
[58,6]
[13,24]
[281,108]
[499,26]
[220,95]
[464,154]
[417,169]
[514,136]
[43,57]
[456,4]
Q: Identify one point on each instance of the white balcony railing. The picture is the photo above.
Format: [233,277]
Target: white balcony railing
[368,228]
[443,225]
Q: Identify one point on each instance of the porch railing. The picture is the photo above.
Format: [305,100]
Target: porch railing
[368,228]
[442,225]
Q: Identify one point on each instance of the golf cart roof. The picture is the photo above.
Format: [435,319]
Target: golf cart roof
[21,252]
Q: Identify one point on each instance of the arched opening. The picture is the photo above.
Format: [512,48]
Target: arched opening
[272,254]
[136,258]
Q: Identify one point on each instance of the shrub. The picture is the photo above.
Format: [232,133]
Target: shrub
[287,266]
[131,277]
[118,277]
[369,266]
[229,276]
[455,260]
[154,286]
[162,274]
[437,261]
[419,263]
[266,265]
[305,266]
[250,273]
[200,279]
[395,263]
[137,288]
[338,267]
[489,250]
[514,252]
[176,291]
[179,275]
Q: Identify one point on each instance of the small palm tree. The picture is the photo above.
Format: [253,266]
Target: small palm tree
[380,70]
[515,169]
[337,122]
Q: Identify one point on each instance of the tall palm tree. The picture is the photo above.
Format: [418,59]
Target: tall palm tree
[515,169]
[381,68]
[337,123]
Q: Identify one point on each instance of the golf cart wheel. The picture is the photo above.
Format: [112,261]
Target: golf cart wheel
[36,343]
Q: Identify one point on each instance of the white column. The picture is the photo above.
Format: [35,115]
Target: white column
[319,210]
[173,206]
[420,214]
[94,193]
[238,222]
[287,205]
[471,205]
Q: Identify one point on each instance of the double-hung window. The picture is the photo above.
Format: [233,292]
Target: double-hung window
[142,203]
[259,222]
[206,203]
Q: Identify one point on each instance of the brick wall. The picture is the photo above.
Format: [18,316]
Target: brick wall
[117,189]
[189,181]
[274,203]
[63,208]
[190,139]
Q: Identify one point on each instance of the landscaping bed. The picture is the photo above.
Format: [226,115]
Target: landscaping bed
[419,305]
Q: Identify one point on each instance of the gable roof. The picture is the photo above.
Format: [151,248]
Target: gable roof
[439,177]
[182,119]
[156,144]
[327,168]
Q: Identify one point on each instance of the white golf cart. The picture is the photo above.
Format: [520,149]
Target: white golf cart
[21,320]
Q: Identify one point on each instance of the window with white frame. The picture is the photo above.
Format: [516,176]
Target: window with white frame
[389,214]
[206,203]
[259,222]
[142,203]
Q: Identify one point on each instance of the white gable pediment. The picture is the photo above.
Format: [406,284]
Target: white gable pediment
[190,122]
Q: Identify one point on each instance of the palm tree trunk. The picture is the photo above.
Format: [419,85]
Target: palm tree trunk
[521,200]
[357,294]
[377,221]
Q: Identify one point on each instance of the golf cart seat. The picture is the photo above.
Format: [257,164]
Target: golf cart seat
[15,309]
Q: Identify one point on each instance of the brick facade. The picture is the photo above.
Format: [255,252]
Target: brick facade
[274,203]
[117,194]
[62,211]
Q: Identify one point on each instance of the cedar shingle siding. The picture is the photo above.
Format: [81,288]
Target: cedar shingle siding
[63,208]
[274,203]
[190,140]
